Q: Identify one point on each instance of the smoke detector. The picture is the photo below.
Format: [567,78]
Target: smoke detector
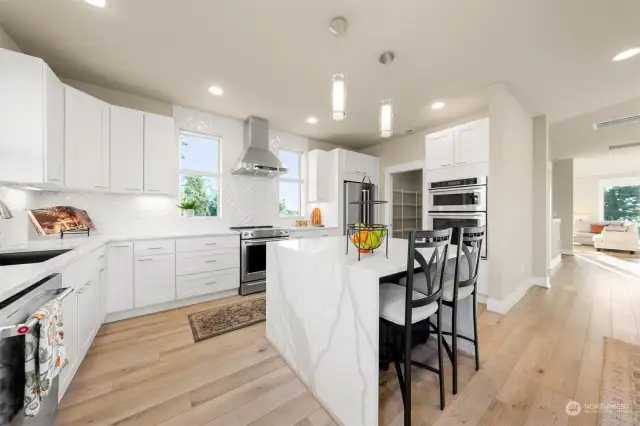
[616,122]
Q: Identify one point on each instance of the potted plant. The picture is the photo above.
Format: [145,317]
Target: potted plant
[188,205]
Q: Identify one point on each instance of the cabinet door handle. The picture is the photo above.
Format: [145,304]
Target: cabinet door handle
[82,290]
[211,283]
[210,261]
[445,165]
[211,244]
[121,246]
[154,190]
[54,179]
[154,248]
[145,260]
[88,283]
[133,189]
[462,162]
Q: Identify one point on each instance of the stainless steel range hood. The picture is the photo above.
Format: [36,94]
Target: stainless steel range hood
[257,159]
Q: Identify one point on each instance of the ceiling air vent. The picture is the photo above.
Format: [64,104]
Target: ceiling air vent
[616,122]
[627,145]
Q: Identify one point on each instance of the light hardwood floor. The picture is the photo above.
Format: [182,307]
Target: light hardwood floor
[545,352]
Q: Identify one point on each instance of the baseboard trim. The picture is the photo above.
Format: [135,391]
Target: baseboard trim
[503,306]
[568,252]
[117,316]
[555,262]
[541,282]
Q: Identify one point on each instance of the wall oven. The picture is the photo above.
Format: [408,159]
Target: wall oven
[253,256]
[459,195]
[442,220]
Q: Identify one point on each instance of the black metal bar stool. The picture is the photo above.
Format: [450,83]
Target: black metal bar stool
[464,284]
[402,307]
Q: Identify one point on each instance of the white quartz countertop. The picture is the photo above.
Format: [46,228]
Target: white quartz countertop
[311,228]
[14,279]
[336,248]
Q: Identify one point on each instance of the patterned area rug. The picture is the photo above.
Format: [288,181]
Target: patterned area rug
[620,394]
[221,320]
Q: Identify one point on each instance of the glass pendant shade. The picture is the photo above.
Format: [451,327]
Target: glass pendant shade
[386,119]
[338,97]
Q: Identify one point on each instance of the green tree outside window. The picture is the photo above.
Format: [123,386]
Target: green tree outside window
[622,203]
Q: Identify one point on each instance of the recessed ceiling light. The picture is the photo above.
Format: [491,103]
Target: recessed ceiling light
[437,105]
[629,53]
[312,120]
[97,3]
[215,90]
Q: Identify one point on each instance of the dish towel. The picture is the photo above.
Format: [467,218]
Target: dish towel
[45,355]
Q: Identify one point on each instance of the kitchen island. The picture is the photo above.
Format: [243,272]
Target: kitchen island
[323,318]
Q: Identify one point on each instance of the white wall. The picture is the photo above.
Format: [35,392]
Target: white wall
[562,203]
[585,198]
[15,230]
[541,198]
[510,228]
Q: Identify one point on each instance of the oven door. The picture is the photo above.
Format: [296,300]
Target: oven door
[253,259]
[437,220]
[469,199]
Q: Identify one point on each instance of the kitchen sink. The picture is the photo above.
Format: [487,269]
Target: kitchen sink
[26,257]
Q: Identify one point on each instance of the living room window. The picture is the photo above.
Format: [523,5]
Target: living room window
[200,172]
[621,199]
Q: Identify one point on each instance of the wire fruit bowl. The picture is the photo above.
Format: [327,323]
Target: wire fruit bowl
[366,238]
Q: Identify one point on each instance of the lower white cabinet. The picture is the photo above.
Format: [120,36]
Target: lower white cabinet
[206,283]
[205,261]
[87,295]
[119,288]
[70,317]
[155,280]
[314,233]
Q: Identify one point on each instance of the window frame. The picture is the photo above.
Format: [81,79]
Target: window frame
[191,172]
[300,181]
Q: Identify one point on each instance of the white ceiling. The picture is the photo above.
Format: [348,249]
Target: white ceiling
[275,58]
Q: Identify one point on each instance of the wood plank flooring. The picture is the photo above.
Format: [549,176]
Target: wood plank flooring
[544,353]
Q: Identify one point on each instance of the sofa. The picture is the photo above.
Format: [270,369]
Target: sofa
[623,236]
[582,231]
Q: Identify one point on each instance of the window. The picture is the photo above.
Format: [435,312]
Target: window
[200,172]
[621,202]
[290,185]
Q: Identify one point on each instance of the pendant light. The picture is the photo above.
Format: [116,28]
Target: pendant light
[386,106]
[338,26]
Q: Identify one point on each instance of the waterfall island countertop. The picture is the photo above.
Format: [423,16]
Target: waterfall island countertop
[323,318]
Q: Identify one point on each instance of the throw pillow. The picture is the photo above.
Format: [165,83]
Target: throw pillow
[616,228]
[596,229]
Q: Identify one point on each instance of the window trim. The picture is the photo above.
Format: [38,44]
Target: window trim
[300,181]
[192,172]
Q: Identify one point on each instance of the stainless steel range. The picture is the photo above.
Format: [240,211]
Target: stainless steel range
[253,255]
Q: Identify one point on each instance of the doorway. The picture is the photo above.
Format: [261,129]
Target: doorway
[406,202]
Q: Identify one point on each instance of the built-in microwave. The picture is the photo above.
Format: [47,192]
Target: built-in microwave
[460,195]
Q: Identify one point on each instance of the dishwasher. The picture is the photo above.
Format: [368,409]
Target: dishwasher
[14,323]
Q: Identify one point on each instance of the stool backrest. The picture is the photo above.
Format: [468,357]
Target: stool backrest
[433,269]
[469,242]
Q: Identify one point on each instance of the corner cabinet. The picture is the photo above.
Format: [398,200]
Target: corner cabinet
[458,146]
[86,141]
[31,121]
[160,155]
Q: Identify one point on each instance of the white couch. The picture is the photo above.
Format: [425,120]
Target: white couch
[582,230]
[619,236]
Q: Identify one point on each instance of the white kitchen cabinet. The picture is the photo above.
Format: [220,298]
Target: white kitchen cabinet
[31,121]
[439,149]
[354,163]
[86,141]
[119,285]
[155,279]
[472,143]
[126,150]
[320,180]
[160,155]
[70,318]
[86,315]
[300,234]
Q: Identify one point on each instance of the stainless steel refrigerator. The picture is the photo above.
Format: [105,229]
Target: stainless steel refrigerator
[359,213]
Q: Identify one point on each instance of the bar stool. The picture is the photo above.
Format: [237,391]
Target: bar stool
[469,242]
[402,307]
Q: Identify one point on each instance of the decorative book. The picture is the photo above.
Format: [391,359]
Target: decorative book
[60,218]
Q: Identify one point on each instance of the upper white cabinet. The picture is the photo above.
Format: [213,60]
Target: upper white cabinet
[458,146]
[160,155]
[439,150]
[86,141]
[356,166]
[472,142]
[31,114]
[126,150]
[320,176]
